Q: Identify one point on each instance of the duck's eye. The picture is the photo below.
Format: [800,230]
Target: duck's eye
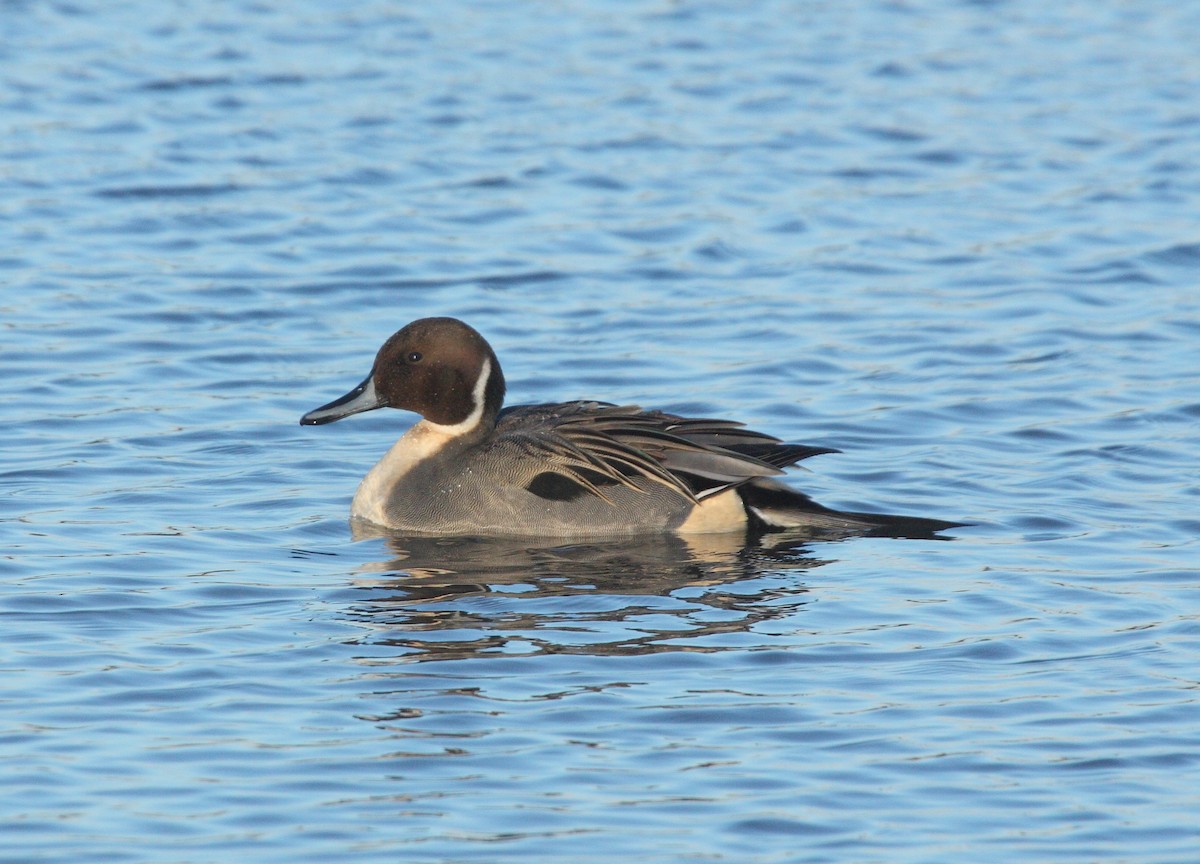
[414,357]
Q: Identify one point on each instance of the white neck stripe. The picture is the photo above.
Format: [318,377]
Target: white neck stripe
[452,429]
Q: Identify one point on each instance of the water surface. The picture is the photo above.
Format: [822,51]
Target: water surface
[956,241]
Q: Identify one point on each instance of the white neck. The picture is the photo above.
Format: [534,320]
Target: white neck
[422,441]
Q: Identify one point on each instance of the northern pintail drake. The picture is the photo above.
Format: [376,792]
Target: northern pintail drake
[587,468]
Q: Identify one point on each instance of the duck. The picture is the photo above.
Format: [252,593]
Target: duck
[586,468]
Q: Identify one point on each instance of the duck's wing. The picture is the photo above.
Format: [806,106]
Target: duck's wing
[598,444]
[734,436]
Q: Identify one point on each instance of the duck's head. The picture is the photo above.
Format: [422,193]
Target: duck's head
[438,367]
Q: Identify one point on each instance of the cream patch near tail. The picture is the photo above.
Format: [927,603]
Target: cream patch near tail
[721,512]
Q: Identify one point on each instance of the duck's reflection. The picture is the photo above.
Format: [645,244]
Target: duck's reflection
[459,597]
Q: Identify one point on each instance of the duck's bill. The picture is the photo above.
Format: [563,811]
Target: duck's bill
[361,398]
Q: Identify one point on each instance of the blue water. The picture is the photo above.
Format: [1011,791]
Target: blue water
[956,240]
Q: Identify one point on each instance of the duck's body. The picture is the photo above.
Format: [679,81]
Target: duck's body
[570,468]
[565,469]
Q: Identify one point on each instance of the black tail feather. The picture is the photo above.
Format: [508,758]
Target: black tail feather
[776,507]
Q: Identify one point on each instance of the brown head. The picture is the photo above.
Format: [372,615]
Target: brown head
[438,367]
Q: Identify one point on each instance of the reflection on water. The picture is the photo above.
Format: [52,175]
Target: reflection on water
[451,598]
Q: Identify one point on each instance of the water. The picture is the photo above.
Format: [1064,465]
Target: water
[955,240]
